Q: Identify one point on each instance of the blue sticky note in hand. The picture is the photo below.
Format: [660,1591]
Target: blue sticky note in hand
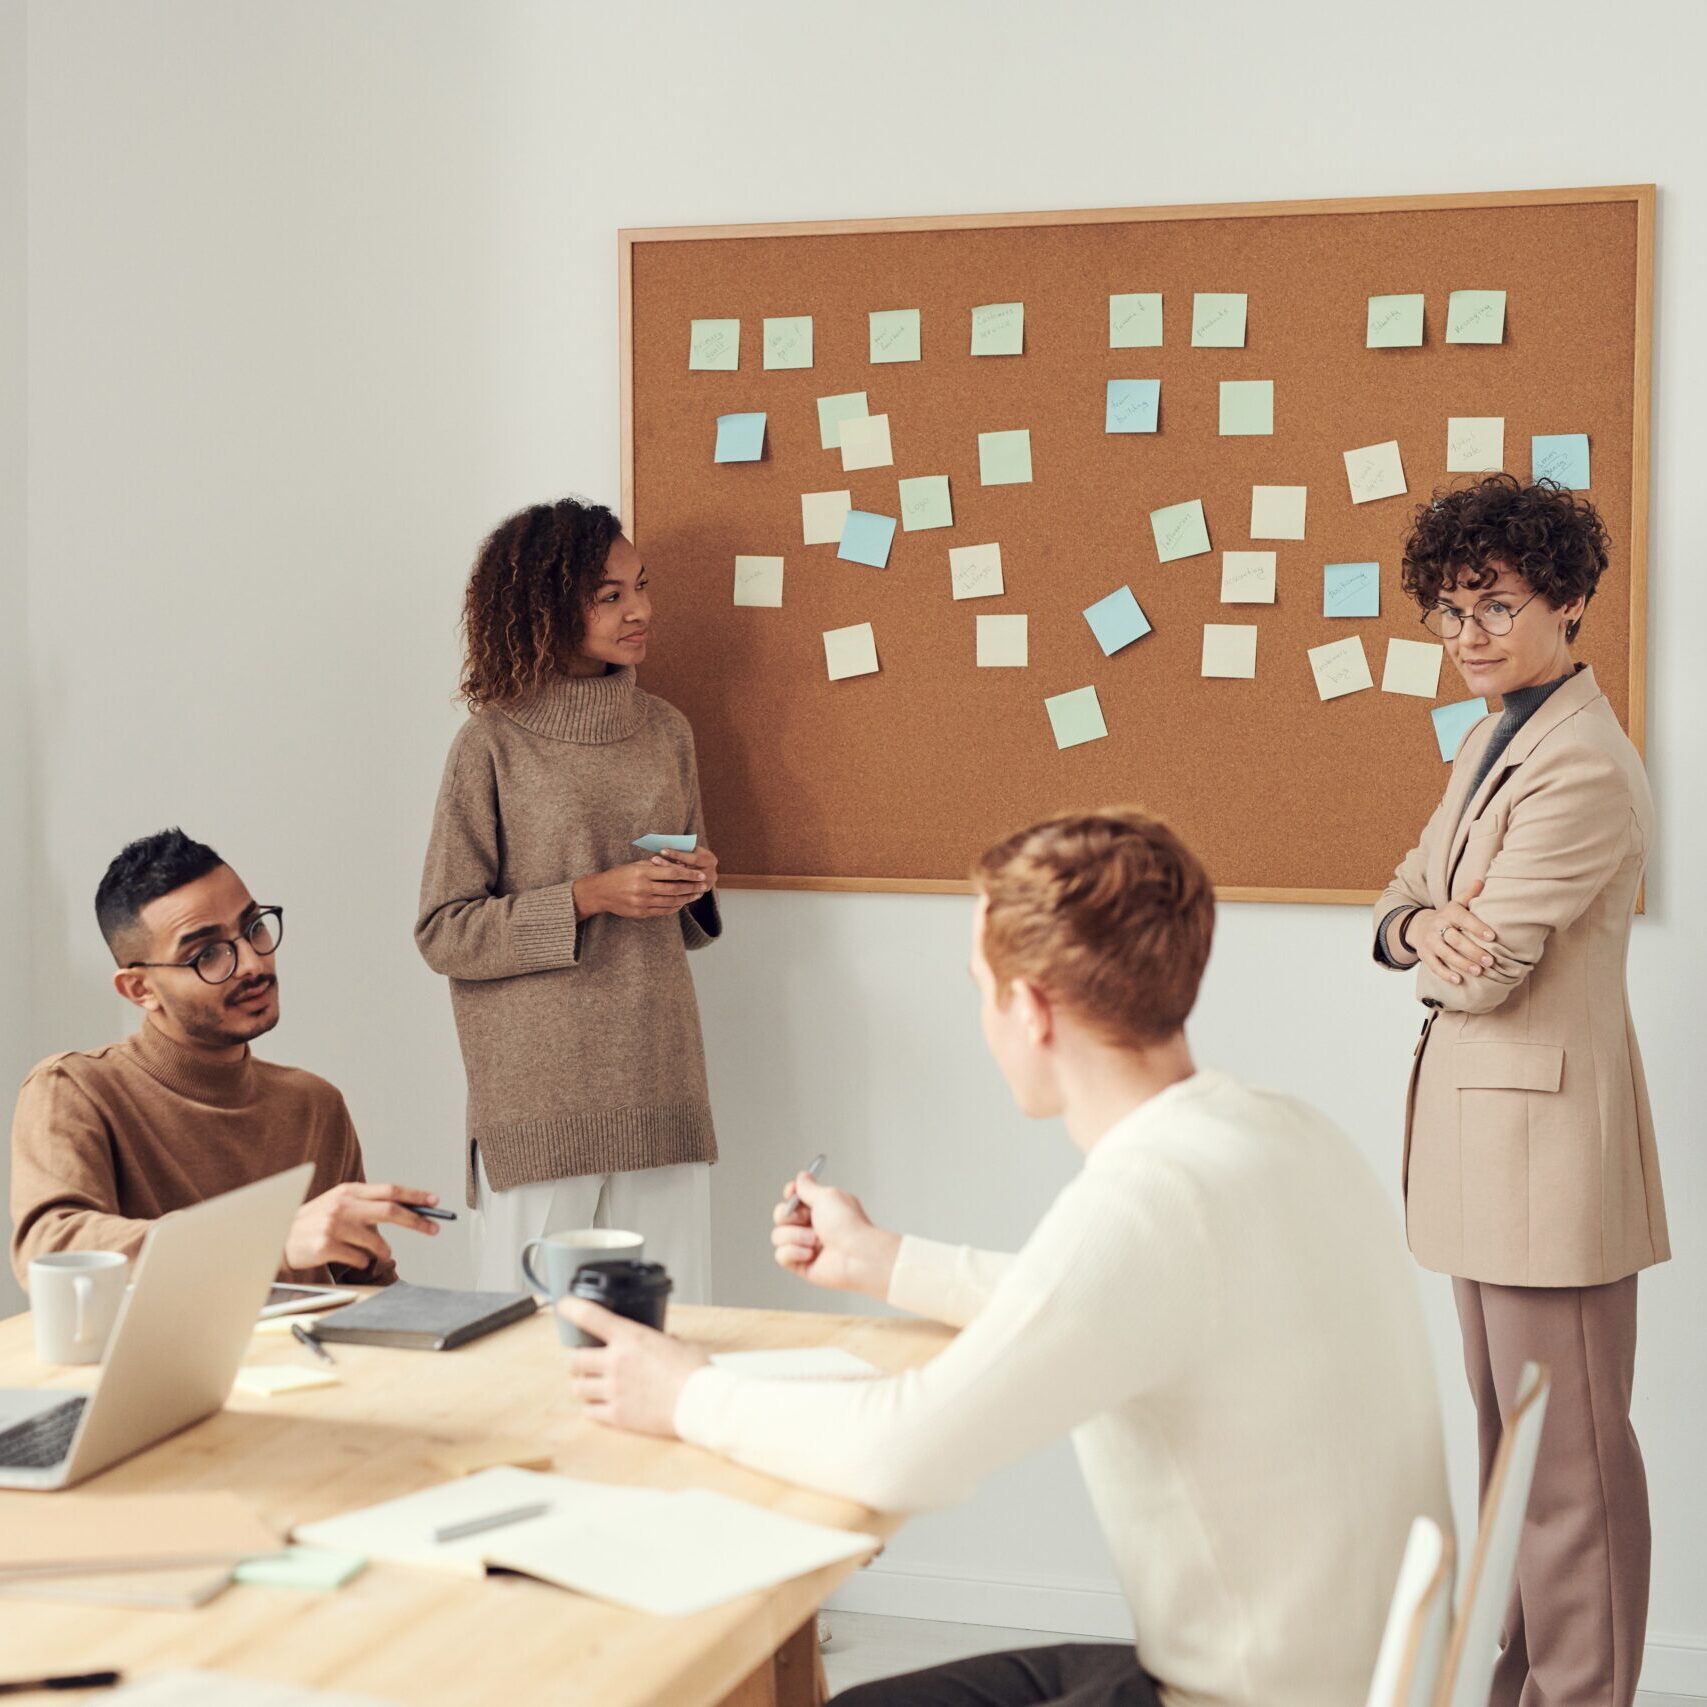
[1351,589]
[1560,456]
[866,538]
[1453,722]
[673,844]
[741,438]
[1132,405]
[1117,621]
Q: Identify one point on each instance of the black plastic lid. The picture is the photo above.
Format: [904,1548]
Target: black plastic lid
[622,1277]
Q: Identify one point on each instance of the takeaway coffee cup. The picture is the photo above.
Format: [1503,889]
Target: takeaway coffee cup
[637,1290]
[548,1264]
[74,1301]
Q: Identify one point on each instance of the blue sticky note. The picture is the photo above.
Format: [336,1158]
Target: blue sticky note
[1453,722]
[1117,621]
[740,438]
[866,538]
[1132,405]
[1560,456]
[1351,589]
[675,844]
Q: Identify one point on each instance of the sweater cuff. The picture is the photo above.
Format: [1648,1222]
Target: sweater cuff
[925,1280]
[702,1408]
[543,928]
[702,923]
[1382,957]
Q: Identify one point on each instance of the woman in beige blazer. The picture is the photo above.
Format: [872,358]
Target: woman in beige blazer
[1530,1174]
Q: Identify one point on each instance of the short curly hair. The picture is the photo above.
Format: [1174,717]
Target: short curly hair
[526,605]
[1555,540]
[1109,913]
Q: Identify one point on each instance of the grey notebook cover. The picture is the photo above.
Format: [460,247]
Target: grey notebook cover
[424,1318]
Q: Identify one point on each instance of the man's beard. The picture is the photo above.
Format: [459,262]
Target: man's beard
[230,1025]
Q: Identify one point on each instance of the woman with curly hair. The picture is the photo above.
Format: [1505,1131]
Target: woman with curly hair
[1530,1173]
[565,949]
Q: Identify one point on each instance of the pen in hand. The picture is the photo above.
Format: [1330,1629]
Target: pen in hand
[792,1202]
[299,1332]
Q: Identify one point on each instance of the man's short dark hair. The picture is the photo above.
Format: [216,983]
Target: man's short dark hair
[143,871]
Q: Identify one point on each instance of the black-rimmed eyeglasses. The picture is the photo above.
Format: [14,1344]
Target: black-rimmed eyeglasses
[214,962]
[1492,616]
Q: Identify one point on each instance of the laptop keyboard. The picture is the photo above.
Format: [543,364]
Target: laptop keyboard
[44,1439]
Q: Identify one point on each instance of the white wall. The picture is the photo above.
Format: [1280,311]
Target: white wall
[15,817]
[319,292]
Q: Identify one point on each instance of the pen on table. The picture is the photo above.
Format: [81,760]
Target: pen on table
[492,1520]
[793,1201]
[88,1680]
[299,1332]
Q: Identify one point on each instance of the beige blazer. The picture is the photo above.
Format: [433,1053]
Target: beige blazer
[1529,1143]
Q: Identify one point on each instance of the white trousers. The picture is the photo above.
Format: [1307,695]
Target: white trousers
[669,1207]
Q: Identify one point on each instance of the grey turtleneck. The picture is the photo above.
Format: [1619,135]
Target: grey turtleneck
[1521,704]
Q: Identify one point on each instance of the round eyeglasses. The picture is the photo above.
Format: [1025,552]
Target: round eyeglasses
[1492,616]
[214,962]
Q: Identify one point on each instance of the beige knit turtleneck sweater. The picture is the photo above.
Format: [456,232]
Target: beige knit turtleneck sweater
[580,1039]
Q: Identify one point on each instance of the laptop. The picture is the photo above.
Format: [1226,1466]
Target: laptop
[181,1331]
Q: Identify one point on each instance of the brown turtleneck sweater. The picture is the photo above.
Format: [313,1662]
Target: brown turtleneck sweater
[580,1038]
[106,1141]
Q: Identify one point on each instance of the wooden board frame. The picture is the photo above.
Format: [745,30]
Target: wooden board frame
[1643,196]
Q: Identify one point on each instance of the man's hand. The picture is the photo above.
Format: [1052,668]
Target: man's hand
[646,889]
[342,1225]
[1451,941]
[830,1240]
[634,1379]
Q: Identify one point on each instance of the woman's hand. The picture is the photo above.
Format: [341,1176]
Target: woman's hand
[1451,941]
[700,859]
[645,889]
[634,1379]
[830,1240]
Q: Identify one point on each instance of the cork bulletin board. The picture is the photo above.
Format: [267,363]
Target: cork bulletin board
[898,779]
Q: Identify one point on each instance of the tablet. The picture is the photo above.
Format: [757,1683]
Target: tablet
[289,1300]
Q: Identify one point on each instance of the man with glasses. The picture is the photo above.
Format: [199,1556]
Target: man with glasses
[107,1140]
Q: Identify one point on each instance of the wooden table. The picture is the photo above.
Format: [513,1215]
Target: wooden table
[412,1636]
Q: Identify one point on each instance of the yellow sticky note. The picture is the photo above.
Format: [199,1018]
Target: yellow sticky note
[268,1380]
[895,335]
[714,346]
[975,571]
[1475,444]
[1001,642]
[788,341]
[822,515]
[1413,666]
[1277,512]
[998,329]
[1135,320]
[1218,320]
[1247,577]
[865,443]
[850,651]
[1230,649]
[758,581]
[1374,472]
[1340,668]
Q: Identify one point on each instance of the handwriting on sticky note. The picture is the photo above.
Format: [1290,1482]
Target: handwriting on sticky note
[1218,320]
[1351,589]
[1475,444]
[1475,317]
[1560,457]
[1131,405]
[1247,577]
[998,329]
[714,346]
[788,341]
[1002,643]
[975,571]
[1395,322]
[758,581]
[1375,471]
[895,335]
[1180,530]
[1135,320]
[1340,667]
[925,503]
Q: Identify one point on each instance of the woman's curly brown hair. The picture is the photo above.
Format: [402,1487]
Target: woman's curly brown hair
[1555,540]
[526,606]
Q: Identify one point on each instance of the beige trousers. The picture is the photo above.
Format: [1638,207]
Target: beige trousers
[1574,1630]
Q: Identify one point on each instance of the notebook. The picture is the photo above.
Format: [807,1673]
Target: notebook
[424,1318]
[78,1533]
[180,1590]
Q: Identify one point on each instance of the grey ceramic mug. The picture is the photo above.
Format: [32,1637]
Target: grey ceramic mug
[548,1264]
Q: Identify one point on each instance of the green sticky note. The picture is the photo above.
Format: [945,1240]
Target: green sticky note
[1180,531]
[1135,321]
[998,329]
[925,503]
[1395,323]
[832,411]
[300,1567]
[1247,407]
[1075,717]
[1218,320]
[895,335]
[715,345]
[1475,317]
[788,341]
[1004,459]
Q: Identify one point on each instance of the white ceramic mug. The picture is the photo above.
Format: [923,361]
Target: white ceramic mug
[560,1254]
[74,1301]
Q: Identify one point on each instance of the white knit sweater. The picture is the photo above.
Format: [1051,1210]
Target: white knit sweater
[1220,1308]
